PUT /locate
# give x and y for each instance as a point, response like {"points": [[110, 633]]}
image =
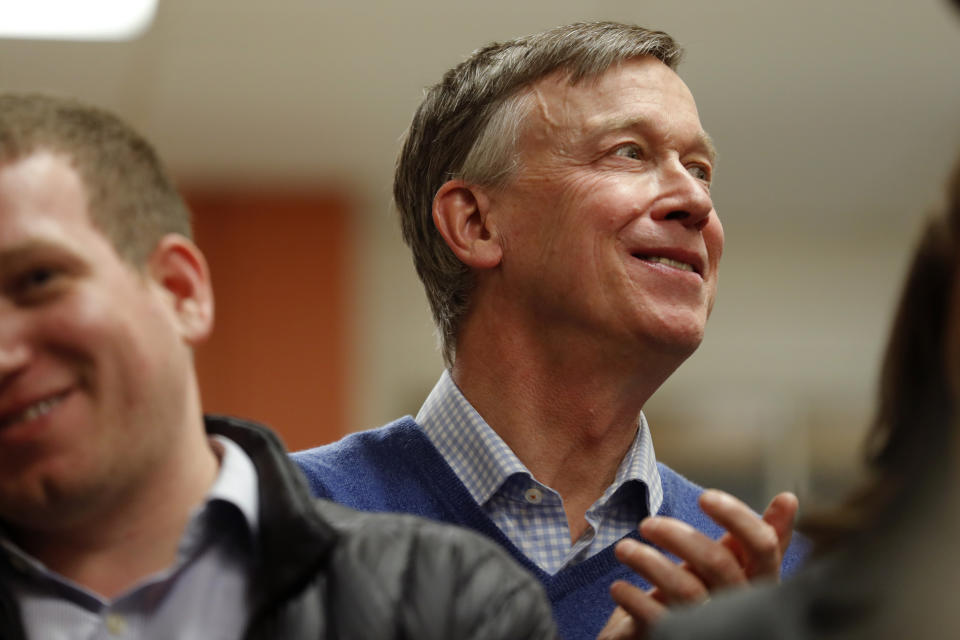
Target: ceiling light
{"points": [[75, 19]]}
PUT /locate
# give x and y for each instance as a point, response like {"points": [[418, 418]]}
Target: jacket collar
{"points": [[294, 540]]}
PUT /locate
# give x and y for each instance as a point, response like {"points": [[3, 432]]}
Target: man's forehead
{"points": [[548, 100], [43, 165], [42, 200], [645, 71], [618, 99]]}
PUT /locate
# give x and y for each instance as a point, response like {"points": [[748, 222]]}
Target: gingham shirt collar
{"points": [[484, 462]]}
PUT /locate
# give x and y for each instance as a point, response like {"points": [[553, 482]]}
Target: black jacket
{"points": [[327, 572]]}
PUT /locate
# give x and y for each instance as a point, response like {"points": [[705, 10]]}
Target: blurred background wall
{"points": [[836, 121]]}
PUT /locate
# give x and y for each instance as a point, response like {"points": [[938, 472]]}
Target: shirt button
{"points": [[116, 624], [533, 495]]}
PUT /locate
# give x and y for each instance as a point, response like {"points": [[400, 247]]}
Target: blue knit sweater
{"points": [[396, 468]]}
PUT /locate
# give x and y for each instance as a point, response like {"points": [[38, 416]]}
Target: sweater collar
{"points": [[484, 463]]}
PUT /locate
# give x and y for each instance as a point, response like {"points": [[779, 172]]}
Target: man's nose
{"points": [[684, 197], [14, 350]]}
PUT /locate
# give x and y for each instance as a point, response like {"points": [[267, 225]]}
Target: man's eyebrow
{"points": [[24, 252], [705, 141], [702, 140]]}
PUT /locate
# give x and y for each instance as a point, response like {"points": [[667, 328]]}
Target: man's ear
{"points": [[460, 214], [178, 267]]}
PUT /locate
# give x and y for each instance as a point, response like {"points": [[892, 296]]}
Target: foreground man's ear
{"points": [[178, 267], [460, 215]]}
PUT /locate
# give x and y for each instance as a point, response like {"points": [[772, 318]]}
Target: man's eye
{"points": [[37, 277], [629, 150], [699, 172], [35, 280]]}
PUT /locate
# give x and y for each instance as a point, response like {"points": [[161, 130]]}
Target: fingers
{"points": [[752, 547], [708, 562], [642, 607], [755, 542], [620, 626], [780, 514], [636, 614], [759, 543]]}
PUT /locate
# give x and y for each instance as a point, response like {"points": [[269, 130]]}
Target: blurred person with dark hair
{"points": [[124, 511], [886, 558], [555, 193]]}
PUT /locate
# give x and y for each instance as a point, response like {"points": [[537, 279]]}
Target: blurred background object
{"points": [[836, 123]]}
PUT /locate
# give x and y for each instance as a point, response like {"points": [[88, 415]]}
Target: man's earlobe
{"points": [[181, 271], [460, 215]]}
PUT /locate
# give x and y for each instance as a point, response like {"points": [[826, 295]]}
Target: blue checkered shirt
{"points": [[528, 512]]}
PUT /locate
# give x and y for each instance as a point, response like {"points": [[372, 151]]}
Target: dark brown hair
{"points": [[129, 196], [909, 443]]}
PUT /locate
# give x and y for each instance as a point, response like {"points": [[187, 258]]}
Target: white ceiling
{"points": [[824, 111]]}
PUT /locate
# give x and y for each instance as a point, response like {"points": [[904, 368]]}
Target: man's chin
{"points": [[47, 493], [678, 336], [680, 349]]}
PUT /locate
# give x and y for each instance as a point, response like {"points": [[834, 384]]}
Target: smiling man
{"points": [[555, 192], [123, 510]]}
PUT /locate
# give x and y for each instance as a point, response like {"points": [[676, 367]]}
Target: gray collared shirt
{"points": [[204, 595]]}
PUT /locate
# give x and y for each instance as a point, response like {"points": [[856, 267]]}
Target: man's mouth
{"points": [[32, 412], [676, 264]]}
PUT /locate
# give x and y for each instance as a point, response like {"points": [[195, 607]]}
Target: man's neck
{"points": [[570, 415], [109, 549]]}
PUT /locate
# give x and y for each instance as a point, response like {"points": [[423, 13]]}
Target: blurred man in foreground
{"points": [[123, 511]]}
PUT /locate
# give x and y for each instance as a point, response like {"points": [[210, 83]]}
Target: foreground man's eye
{"points": [[34, 282]]}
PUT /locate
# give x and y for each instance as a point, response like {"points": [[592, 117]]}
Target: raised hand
{"points": [[751, 549]]}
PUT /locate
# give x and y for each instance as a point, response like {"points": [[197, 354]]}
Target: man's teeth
{"points": [[676, 264], [33, 412]]}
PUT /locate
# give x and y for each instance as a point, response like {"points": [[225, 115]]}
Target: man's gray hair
{"points": [[467, 128]]}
